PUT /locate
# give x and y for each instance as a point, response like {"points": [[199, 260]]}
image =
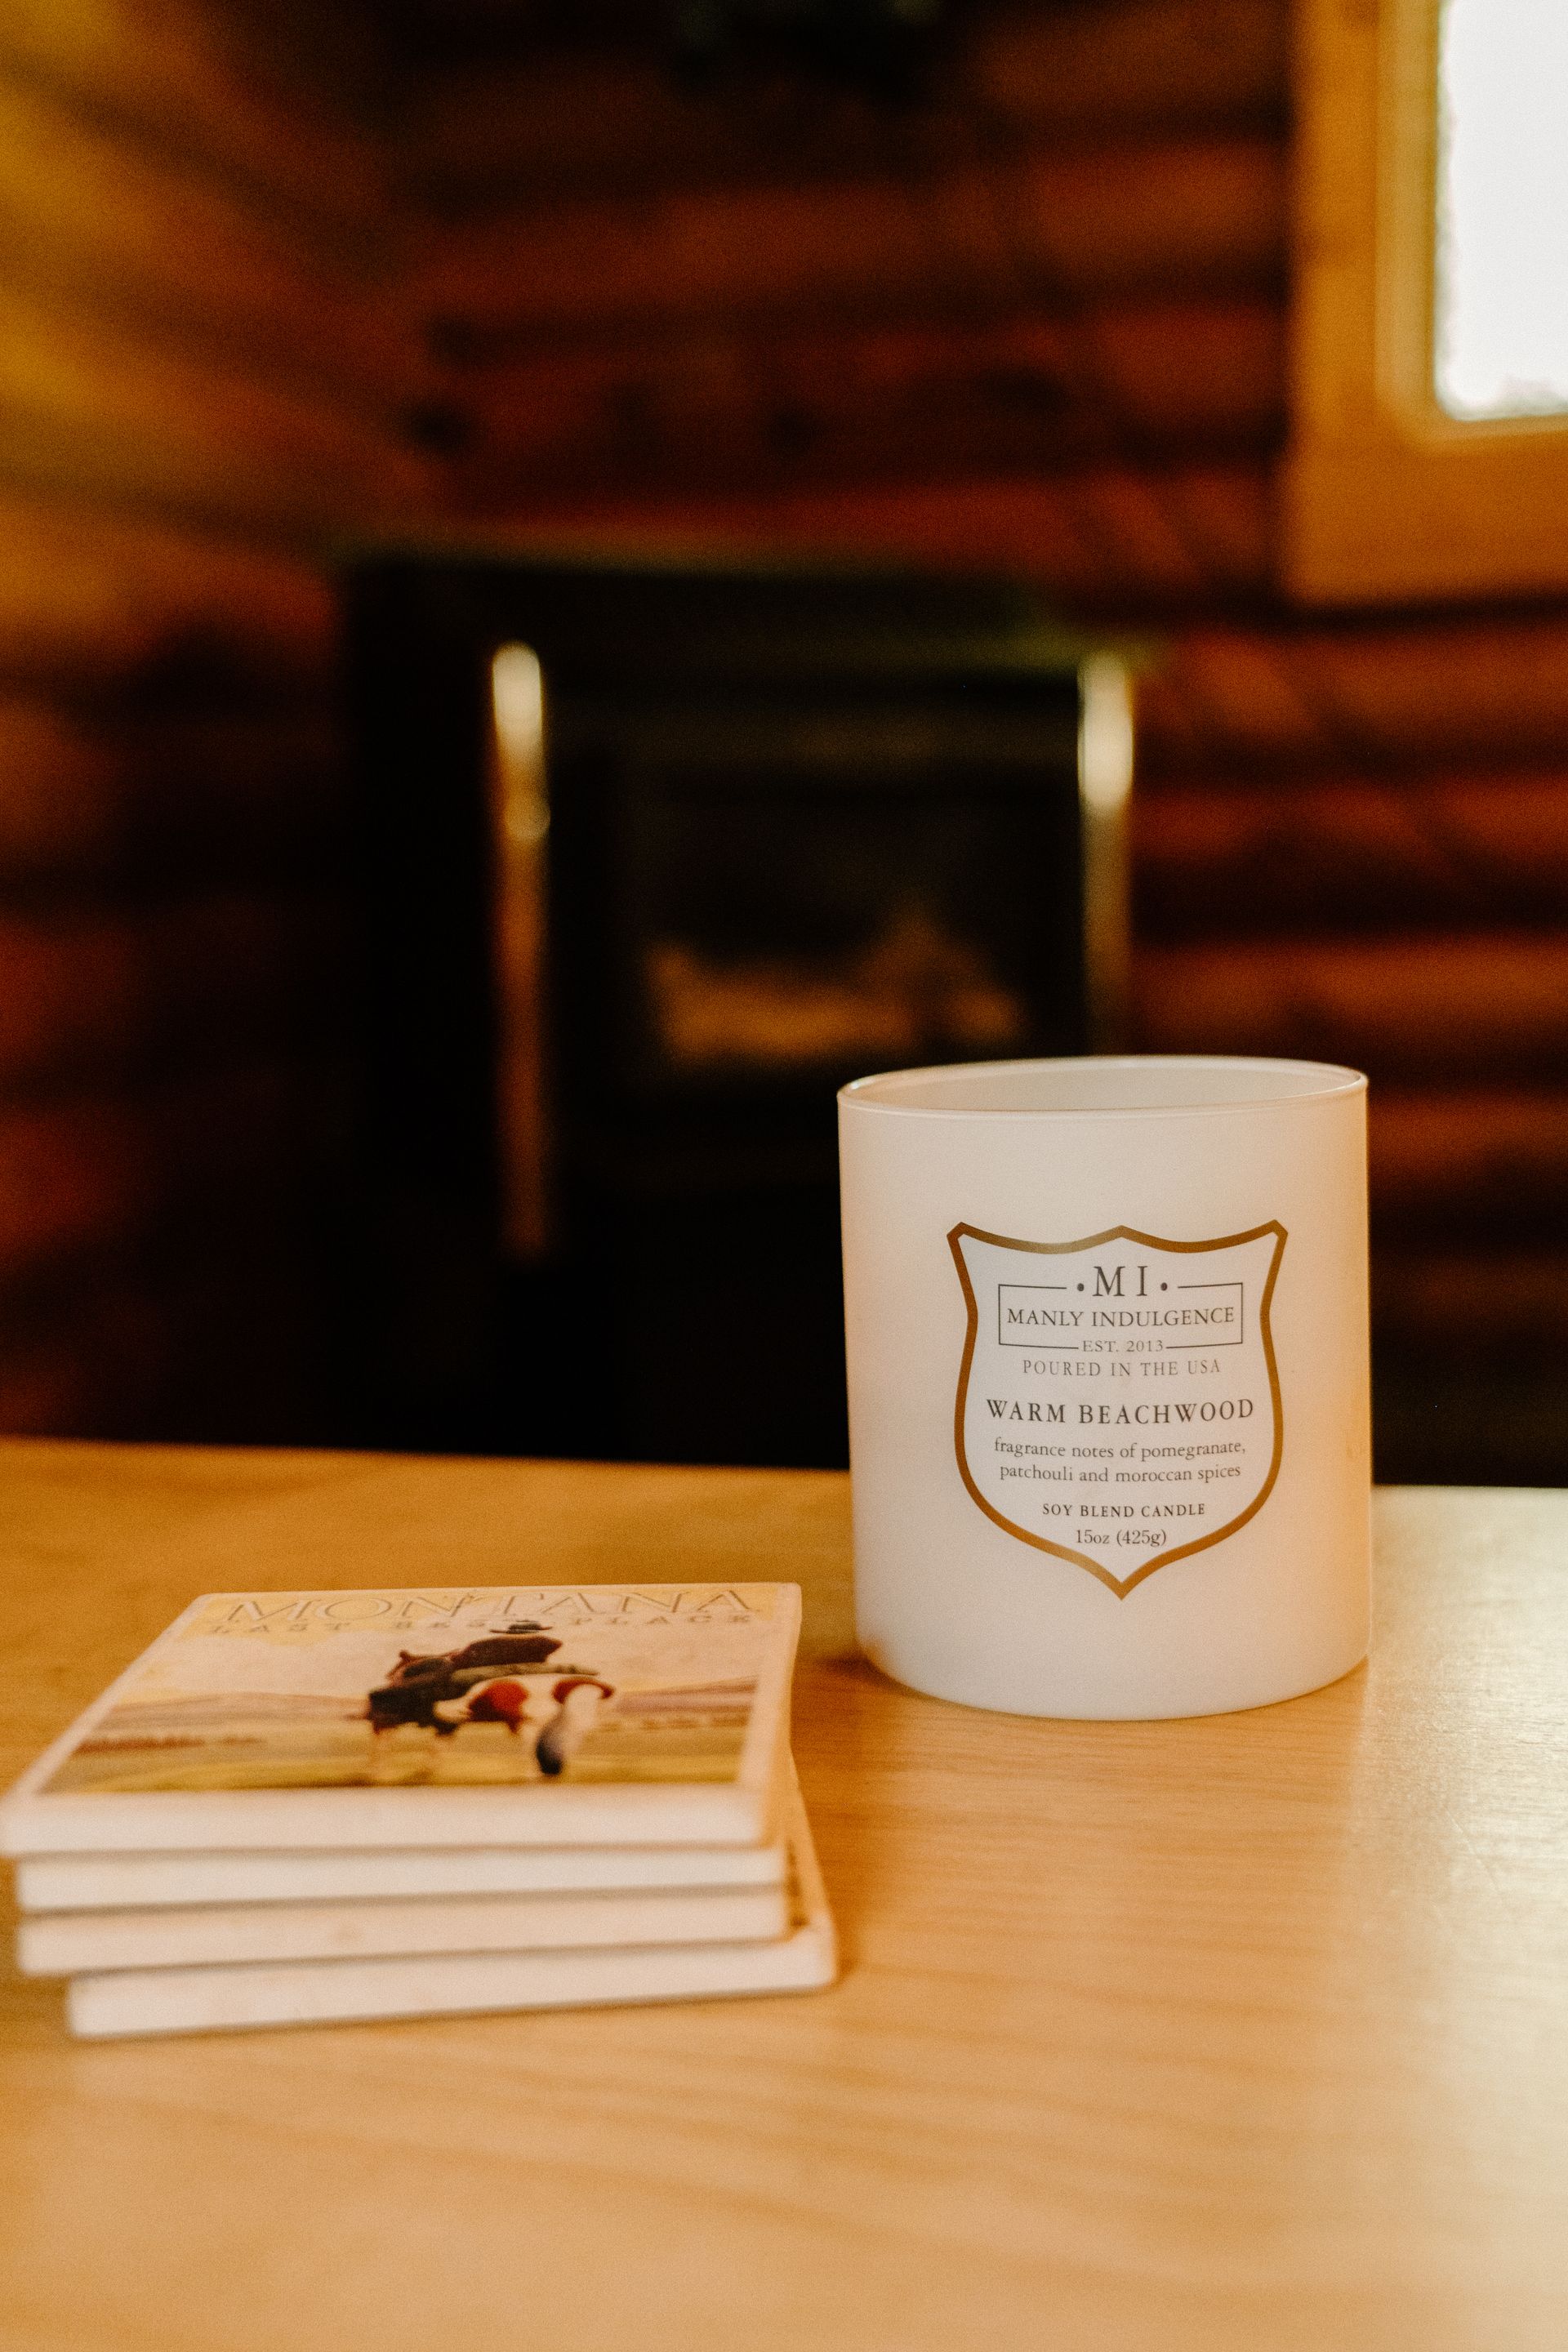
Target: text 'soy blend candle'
{"points": [[1107, 1334]]}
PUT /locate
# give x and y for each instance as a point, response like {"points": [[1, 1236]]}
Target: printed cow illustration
{"points": [[503, 1701], [578, 1699], [442, 1692], [419, 1685]]}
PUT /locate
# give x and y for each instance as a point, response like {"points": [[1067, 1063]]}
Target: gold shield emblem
{"points": [[1119, 1397]]}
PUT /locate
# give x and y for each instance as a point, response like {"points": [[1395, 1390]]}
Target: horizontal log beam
{"points": [[94, 1366], [196, 83], [1487, 1156], [86, 413], [1372, 852], [92, 224], [147, 1350], [1146, 219], [1098, 65], [106, 996], [1152, 539], [1509, 1303], [1463, 1009], [122, 800], [1488, 688], [88, 1175], [473, 137], [937, 398], [1499, 1419], [97, 604]]}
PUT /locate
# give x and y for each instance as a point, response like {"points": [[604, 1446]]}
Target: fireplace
{"points": [[653, 858]]}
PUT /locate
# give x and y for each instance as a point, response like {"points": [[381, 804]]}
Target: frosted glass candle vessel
{"points": [[1106, 1333]]}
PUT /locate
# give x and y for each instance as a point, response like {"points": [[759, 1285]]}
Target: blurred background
{"points": [[999, 293]]}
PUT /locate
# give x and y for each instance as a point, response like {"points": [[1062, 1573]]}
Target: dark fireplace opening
{"points": [[654, 861]]}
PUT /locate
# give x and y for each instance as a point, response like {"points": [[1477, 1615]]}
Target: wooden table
{"points": [[1248, 2032]]}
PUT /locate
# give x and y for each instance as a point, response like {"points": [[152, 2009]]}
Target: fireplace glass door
{"points": [[656, 861]]}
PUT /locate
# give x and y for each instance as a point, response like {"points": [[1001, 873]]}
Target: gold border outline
{"points": [[1120, 1585]]}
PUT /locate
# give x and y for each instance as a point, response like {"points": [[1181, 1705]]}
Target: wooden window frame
{"points": [[1385, 497]]}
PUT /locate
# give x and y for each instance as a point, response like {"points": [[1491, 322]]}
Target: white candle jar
{"points": [[1107, 1336]]}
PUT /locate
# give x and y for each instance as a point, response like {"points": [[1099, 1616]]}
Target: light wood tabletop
{"points": [[1244, 2032]]}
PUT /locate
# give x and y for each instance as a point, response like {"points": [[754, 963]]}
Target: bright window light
{"points": [[1501, 310]]}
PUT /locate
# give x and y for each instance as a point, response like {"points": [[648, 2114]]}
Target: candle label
{"points": [[1118, 1398]]}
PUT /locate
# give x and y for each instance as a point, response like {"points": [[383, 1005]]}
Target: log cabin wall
{"points": [[199, 381], [1036, 320]]}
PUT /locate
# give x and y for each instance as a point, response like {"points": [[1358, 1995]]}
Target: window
{"points": [[1430, 455], [1500, 287]]}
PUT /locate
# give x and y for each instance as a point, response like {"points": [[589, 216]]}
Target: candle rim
{"points": [[1331, 1082]]}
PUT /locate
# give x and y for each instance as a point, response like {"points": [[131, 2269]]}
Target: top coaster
{"points": [[556, 1715]]}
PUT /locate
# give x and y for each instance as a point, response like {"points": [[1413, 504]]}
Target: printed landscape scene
{"points": [[291, 1705]]}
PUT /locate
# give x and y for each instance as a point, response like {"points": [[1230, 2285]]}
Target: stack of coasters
{"points": [[304, 1806]]}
